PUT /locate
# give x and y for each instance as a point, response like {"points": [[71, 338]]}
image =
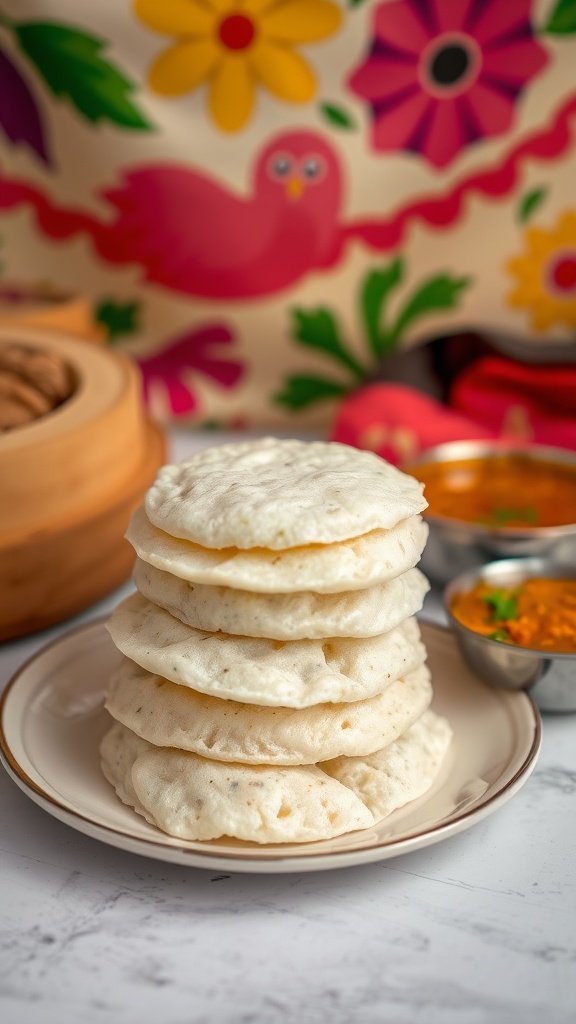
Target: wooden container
{"points": [[68, 484], [46, 308]]}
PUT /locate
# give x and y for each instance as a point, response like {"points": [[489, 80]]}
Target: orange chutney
{"points": [[503, 491], [538, 613]]}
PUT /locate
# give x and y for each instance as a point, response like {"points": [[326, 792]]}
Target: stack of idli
{"points": [[273, 685]]}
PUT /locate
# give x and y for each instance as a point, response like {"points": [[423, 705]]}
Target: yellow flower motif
{"points": [[546, 275], [234, 46]]}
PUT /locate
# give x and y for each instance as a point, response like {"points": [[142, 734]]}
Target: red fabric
{"points": [[537, 403], [398, 422], [493, 398]]}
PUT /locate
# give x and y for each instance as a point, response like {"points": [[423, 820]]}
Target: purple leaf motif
{"points": [[19, 115]]}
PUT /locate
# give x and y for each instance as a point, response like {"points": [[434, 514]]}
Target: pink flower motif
{"points": [[167, 376], [442, 74]]}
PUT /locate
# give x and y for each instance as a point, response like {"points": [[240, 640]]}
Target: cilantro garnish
{"points": [[499, 634], [504, 606], [503, 516]]}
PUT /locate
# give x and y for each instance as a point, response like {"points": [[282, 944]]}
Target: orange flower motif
{"points": [[546, 275], [234, 46]]}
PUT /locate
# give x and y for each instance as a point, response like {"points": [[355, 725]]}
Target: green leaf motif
{"points": [[117, 318], [302, 390], [562, 21], [376, 289], [355, 3], [71, 65], [435, 295], [337, 116], [529, 203], [318, 329]]}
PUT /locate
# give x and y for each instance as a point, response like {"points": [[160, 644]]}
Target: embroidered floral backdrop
{"points": [[265, 197]]}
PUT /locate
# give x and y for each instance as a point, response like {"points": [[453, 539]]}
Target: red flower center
{"points": [[236, 32], [563, 273]]}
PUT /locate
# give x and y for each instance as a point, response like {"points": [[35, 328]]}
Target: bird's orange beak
{"points": [[294, 188]]}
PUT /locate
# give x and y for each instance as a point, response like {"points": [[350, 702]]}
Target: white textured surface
{"points": [[305, 616], [478, 928], [176, 716], [280, 494], [324, 568], [254, 670]]}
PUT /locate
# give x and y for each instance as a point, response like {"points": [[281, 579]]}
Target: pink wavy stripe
{"points": [[439, 211], [56, 221]]}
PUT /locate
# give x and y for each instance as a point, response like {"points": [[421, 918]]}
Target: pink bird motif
{"points": [[194, 235], [298, 221]]}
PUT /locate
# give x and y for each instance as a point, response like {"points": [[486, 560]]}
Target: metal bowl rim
{"points": [[454, 451]]}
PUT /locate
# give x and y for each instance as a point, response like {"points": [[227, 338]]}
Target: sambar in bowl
{"points": [[490, 500], [515, 623]]}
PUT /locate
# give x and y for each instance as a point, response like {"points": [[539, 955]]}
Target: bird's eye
{"points": [[313, 168], [279, 166]]}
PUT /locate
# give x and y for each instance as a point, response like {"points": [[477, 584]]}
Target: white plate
{"points": [[52, 720]]}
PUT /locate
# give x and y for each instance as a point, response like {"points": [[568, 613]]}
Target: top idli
{"points": [[279, 494]]}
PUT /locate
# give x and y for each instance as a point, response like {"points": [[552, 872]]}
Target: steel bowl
{"points": [[455, 546], [550, 678]]}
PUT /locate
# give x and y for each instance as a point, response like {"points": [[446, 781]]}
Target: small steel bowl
{"points": [[550, 678], [455, 546]]}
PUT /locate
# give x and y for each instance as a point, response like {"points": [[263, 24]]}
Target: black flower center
{"points": [[449, 64]]}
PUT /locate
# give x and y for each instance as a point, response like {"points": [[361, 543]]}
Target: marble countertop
{"points": [[481, 927]]}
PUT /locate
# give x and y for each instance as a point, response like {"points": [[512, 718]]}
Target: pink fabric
{"points": [[399, 422], [494, 398]]}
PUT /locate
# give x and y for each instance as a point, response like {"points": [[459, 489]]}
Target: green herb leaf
{"points": [[210, 425], [529, 204], [337, 116], [562, 21], [499, 634], [301, 391], [503, 516], [438, 293], [71, 65], [504, 606], [117, 318], [355, 3], [376, 289], [318, 329]]}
